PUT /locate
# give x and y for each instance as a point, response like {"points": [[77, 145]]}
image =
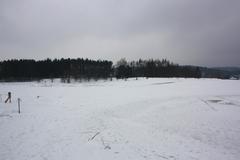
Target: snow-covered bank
{"points": [[180, 119]]}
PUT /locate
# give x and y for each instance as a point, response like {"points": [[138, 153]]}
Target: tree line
{"points": [[57, 68], [86, 68], [154, 68]]}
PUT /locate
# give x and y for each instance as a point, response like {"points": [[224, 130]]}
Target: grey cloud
{"points": [[185, 31]]}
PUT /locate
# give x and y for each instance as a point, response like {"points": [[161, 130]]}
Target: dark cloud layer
{"points": [[205, 32]]}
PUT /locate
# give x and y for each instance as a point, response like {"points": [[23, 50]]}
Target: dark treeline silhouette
{"points": [[85, 68], [57, 68], [154, 68]]}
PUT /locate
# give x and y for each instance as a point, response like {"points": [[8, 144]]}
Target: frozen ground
{"points": [[153, 119]]}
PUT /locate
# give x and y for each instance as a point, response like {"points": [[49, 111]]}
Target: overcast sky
{"points": [[196, 32]]}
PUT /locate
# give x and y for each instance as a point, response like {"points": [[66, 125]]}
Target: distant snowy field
{"points": [[144, 119]]}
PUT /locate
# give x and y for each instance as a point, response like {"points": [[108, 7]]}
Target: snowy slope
{"points": [[165, 119]]}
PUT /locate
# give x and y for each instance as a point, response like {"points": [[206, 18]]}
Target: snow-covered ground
{"points": [[165, 119]]}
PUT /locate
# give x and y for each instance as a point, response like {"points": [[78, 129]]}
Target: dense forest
{"points": [[87, 69], [57, 68], [154, 68]]}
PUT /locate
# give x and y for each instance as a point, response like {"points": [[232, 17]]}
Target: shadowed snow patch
{"points": [[162, 83]]}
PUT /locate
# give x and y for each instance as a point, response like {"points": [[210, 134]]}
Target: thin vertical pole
{"points": [[19, 108]]}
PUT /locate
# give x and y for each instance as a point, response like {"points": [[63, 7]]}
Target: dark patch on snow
{"points": [[162, 83], [5, 115], [215, 100]]}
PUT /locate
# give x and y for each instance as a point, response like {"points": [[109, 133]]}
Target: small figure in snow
{"points": [[8, 98]]}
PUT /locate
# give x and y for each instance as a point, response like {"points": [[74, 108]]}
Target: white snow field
{"points": [[150, 119]]}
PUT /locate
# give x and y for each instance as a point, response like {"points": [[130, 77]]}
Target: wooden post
{"points": [[19, 109]]}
